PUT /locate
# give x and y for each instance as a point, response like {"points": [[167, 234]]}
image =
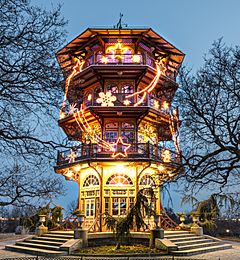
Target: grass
{"points": [[131, 249]]}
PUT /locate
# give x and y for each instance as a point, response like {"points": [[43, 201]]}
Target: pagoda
{"points": [[117, 112]]}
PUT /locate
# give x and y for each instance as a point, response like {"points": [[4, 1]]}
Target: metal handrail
{"points": [[136, 151]]}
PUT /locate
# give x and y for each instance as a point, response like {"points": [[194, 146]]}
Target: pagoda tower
{"points": [[119, 86]]}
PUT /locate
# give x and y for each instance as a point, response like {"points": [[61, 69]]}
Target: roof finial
{"points": [[120, 24]]}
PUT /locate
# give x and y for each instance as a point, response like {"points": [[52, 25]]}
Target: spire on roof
{"points": [[120, 24]]}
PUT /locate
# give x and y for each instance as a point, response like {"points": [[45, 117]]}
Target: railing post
{"points": [[148, 149]]}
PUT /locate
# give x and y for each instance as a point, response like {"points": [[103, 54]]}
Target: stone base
{"points": [[155, 233], [197, 230], [83, 235], [41, 230]]}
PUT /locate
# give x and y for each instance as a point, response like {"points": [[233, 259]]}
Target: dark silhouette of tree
{"points": [[29, 93], [142, 207], [210, 102]]}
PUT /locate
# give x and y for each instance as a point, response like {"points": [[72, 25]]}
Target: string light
{"points": [[161, 68], [116, 152]]}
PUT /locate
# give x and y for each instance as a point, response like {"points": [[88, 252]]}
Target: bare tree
{"points": [[29, 95], [211, 120]]}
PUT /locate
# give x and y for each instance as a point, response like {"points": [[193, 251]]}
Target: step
{"points": [[179, 235], [62, 232], [175, 232], [58, 236], [35, 251], [35, 245], [198, 241], [180, 239], [36, 241], [201, 250], [193, 246], [56, 239]]}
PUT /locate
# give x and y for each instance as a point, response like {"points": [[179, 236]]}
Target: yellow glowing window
{"points": [[119, 179], [91, 180]]}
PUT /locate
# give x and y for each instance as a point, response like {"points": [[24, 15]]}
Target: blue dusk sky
{"points": [[191, 25]]}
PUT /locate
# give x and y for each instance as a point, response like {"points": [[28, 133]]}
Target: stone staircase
{"points": [[50, 244], [189, 244]]}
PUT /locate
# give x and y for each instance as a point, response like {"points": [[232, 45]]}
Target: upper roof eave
{"points": [[90, 32]]}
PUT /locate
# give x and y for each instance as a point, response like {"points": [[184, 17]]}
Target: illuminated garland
{"points": [[77, 68], [94, 137], [161, 68]]}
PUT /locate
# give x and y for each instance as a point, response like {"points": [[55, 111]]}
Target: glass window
{"points": [[106, 204], [115, 206], [127, 88], [91, 180], [119, 179], [147, 180], [111, 136], [112, 88]]}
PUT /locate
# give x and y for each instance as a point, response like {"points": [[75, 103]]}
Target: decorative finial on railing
{"points": [[120, 24]]}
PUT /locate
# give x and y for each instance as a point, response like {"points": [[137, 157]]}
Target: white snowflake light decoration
{"points": [[106, 100], [72, 109]]}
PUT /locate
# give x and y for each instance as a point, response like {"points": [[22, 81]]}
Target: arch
{"points": [[147, 180], [119, 179], [91, 180]]}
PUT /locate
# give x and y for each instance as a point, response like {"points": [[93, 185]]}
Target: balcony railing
{"points": [[126, 59], [137, 151]]}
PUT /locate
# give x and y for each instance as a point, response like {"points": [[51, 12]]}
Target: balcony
{"points": [[92, 103], [137, 152], [126, 60]]}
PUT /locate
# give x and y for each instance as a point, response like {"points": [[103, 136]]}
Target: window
{"points": [[90, 208], [147, 180], [107, 205], [119, 206], [127, 88], [119, 179], [91, 180]]}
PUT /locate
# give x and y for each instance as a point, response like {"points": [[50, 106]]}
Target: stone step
{"points": [[198, 241], [58, 236], [35, 251], [202, 245], [36, 245], [166, 233], [36, 241], [61, 232], [201, 250], [56, 239], [179, 235], [186, 239]]}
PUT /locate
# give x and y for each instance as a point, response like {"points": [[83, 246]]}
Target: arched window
{"points": [[119, 179], [91, 180], [147, 180]]}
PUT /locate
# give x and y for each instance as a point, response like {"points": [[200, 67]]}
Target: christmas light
{"points": [[136, 58], [161, 68], [72, 109], [104, 59], [118, 143], [72, 156], [117, 50], [156, 104], [165, 105], [166, 156], [89, 97], [106, 100], [126, 102]]}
